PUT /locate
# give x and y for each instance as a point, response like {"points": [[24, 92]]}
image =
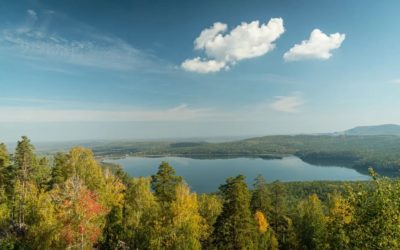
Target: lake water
{"points": [[206, 175]]}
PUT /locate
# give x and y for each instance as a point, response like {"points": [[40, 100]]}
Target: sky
{"points": [[96, 69]]}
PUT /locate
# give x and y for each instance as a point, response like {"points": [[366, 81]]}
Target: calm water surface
{"points": [[206, 175]]}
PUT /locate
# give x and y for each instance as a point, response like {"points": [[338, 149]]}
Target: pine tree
{"points": [[59, 171], [278, 211], [24, 168], [7, 171], [164, 183], [235, 227], [261, 196], [4, 163], [312, 224]]}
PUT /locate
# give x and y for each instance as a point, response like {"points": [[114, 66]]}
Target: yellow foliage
{"points": [[187, 222], [82, 163], [274, 245], [261, 222], [340, 210]]}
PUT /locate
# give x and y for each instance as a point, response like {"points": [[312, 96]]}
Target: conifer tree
{"points": [[164, 183], [261, 196], [235, 227], [4, 163], [312, 224]]}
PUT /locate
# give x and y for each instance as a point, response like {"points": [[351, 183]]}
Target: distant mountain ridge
{"points": [[385, 129]]}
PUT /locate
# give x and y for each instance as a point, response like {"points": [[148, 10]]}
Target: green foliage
{"points": [[235, 227], [278, 206], [186, 227], [376, 217], [261, 196], [141, 211], [74, 202], [4, 163], [25, 160], [59, 172], [340, 216], [7, 171], [210, 207], [164, 183], [312, 224], [81, 163]]}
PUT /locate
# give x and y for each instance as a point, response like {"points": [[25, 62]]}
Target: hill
{"points": [[385, 129]]}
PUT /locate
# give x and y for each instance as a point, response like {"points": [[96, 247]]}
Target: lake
{"points": [[206, 175]]}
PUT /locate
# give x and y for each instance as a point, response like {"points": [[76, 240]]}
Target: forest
{"points": [[72, 201]]}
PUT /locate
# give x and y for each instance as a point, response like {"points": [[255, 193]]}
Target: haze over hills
{"points": [[385, 129], [51, 147]]}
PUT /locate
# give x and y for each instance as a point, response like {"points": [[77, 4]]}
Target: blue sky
{"points": [[72, 70]]}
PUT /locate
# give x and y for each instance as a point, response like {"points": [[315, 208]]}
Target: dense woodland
{"points": [[71, 201]]}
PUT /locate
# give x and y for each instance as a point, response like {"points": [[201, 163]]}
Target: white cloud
{"points": [[247, 40], [202, 66], [288, 104], [209, 34], [318, 46]]}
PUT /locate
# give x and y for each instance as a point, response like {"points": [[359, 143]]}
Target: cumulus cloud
{"points": [[209, 34], [245, 41], [318, 46], [288, 104], [203, 66]]}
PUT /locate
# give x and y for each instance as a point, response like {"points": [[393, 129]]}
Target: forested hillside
{"points": [[72, 202]]}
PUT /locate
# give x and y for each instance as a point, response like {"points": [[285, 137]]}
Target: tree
{"points": [[261, 196], [187, 227], [4, 163], [25, 160], [210, 207], [42, 173], [278, 211], [24, 169], [59, 171], [5, 219], [287, 234], [112, 197], [375, 220], [312, 224], [7, 171], [41, 219], [281, 222], [80, 214], [82, 164], [339, 218], [164, 183], [141, 211], [235, 227]]}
